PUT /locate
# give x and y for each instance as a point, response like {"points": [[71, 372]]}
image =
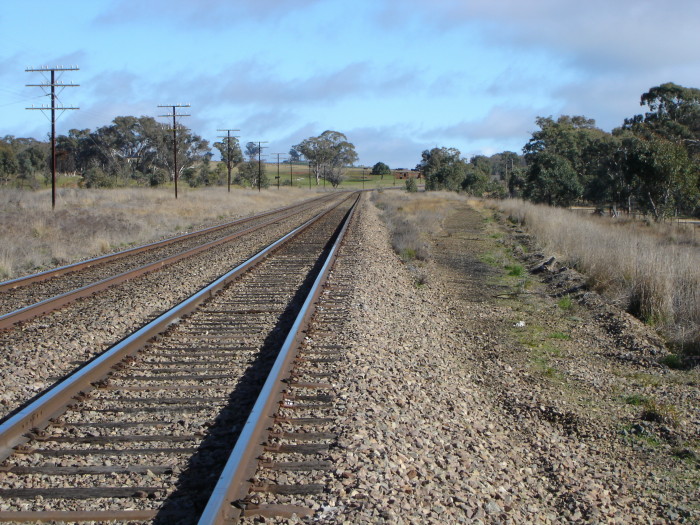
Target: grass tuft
{"points": [[565, 303]]}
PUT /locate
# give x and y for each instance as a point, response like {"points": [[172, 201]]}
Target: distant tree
{"points": [[234, 147], [380, 169], [329, 154], [8, 163], [294, 155], [551, 179], [443, 169], [411, 185], [248, 173], [665, 178], [32, 163], [130, 148]]}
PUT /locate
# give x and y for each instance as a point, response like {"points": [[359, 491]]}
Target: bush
{"points": [[411, 186], [96, 178]]}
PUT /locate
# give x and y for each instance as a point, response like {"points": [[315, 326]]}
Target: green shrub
{"points": [[515, 270], [411, 186], [565, 303]]}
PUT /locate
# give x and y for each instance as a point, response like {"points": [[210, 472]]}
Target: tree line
{"points": [[651, 163], [139, 151]]}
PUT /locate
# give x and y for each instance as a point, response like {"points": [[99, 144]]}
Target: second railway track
{"points": [[149, 442], [38, 352], [20, 299]]}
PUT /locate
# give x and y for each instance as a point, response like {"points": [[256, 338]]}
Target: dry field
{"points": [[651, 270], [88, 223]]}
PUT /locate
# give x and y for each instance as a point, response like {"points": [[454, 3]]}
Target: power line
{"points": [[174, 115], [52, 84]]}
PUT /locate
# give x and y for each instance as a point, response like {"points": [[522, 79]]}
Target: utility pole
{"points": [[309, 174], [53, 84], [278, 168], [260, 148], [228, 138], [291, 173], [175, 114]]}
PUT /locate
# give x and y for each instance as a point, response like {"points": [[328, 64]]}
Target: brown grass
{"points": [[412, 218], [652, 270], [88, 223]]}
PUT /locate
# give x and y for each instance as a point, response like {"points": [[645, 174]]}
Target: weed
{"points": [[685, 454], [636, 400], [559, 335], [408, 254], [515, 270], [659, 413], [565, 303], [672, 361], [421, 280]]}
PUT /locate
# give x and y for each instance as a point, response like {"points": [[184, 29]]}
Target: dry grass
{"points": [[88, 223], [412, 218], [653, 270]]}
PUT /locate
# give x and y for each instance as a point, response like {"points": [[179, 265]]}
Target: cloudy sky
{"points": [[396, 76]]}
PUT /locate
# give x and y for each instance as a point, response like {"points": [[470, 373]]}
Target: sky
{"points": [[395, 76]]}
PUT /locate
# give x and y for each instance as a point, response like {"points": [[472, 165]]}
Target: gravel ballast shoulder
{"points": [[446, 423]]}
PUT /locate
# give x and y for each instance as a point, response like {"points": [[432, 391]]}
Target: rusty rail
{"points": [[53, 402], [233, 484]]}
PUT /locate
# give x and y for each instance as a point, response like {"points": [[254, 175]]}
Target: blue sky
{"points": [[396, 76]]}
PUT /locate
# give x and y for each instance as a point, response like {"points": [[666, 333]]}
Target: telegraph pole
{"points": [[278, 168], [53, 84], [260, 148], [175, 114], [228, 138]]}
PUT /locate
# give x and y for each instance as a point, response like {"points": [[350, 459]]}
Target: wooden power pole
{"points": [[50, 86], [174, 115]]}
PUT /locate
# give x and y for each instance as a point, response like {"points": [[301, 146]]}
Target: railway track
{"points": [[143, 432], [30, 296]]}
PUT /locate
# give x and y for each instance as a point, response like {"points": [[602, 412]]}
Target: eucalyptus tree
{"points": [[329, 154]]}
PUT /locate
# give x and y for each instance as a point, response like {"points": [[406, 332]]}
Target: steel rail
{"points": [[53, 303], [37, 414], [80, 265], [234, 481]]}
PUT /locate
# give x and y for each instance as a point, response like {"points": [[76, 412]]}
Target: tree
{"points": [[664, 176], [31, 162], [249, 171], [478, 175], [129, 148], [443, 169], [380, 169], [330, 153], [551, 179], [294, 155], [230, 145], [8, 163]]}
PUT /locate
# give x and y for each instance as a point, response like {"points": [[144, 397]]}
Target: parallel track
{"points": [[27, 297], [148, 442]]}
